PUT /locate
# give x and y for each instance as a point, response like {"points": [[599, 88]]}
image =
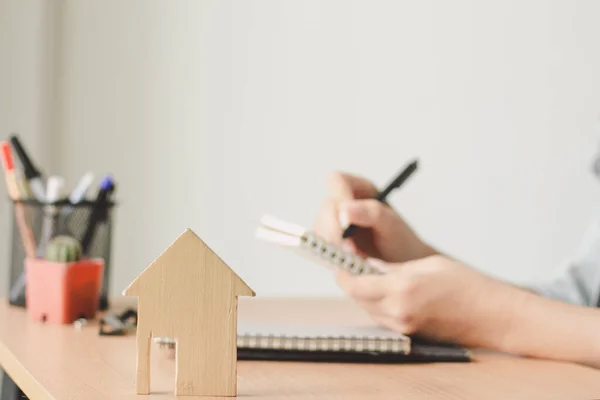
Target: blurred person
{"points": [[433, 295]]}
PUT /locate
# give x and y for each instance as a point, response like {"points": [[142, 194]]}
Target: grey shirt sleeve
{"points": [[579, 284]]}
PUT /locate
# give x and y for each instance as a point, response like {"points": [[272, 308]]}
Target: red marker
{"points": [[13, 192], [9, 171]]}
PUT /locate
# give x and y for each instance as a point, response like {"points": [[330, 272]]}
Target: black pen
{"points": [[381, 196], [33, 175]]}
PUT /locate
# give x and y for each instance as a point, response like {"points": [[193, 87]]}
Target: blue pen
{"points": [[107, 186]]}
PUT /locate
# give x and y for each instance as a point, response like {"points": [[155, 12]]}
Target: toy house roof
{"points": [[182, 244]]}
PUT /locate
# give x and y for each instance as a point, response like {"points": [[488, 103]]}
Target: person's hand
{"points": [[437, 298], [383, 234]]}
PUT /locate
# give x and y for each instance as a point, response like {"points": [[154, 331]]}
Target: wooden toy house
{"points": [[190, 295]]}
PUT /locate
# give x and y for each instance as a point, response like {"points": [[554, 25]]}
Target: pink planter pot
{"points": [[63, 292]]}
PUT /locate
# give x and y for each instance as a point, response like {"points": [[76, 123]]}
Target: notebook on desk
{"points": [[328, 343]]}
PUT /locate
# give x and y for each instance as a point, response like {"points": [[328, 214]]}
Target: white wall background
{"points": [[233, 109]]}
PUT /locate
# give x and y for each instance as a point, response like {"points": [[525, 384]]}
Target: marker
{"points": [[381, 196], [32, 174], [107, 186], [9, 171], [23, 185], [13, 190], [54, 190], [76, 196], [27, 236], [81, 189]]}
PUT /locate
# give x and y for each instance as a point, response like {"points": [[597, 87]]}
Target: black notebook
{"points": [[323, 343]]}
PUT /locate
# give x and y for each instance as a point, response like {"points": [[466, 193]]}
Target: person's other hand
{"points": [[383, 234], [437, 298]]}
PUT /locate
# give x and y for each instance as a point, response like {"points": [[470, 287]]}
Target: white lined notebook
{"points": [[311, 246], [317, 338]]}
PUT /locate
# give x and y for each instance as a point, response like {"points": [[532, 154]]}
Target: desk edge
{"points": [[19, 374]]}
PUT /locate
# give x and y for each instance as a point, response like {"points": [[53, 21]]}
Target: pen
{"points": [[107, 186], [32, 174], [381, 196]]}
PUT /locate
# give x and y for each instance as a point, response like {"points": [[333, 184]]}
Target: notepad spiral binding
{"points": [[296, 343], [336, 255], [321, 343]]}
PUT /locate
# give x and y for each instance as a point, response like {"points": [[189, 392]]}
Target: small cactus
{"points": [[63, 249]]}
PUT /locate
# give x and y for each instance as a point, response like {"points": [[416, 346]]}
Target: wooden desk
{"points": [[60, 362]]}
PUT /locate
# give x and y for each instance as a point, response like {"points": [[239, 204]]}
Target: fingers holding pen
{"points": [[343, 186]]}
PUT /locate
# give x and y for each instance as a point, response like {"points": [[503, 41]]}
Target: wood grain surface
{"points": [[61, 362], [190, 295]]}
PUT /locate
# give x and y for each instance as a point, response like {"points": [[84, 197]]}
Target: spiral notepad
{"points": [[327, 343], [310, 245], [319, 338]]}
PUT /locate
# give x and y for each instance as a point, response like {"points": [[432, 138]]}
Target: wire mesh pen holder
{"points": [[34, 223]]}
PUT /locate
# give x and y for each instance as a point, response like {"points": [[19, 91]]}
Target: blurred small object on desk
{"points": [[118, 324]]}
